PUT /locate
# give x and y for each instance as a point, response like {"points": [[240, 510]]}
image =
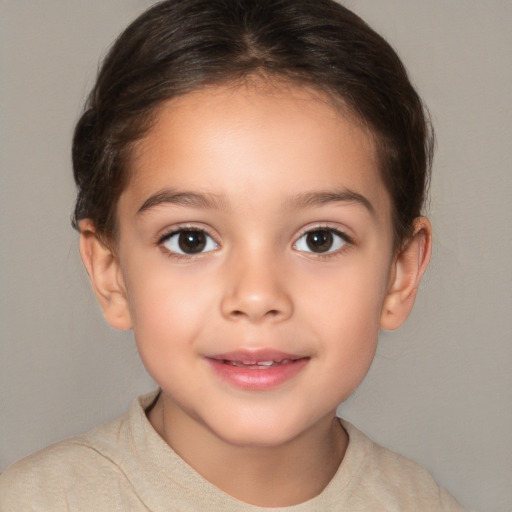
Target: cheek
{"points": [[343, 306], [347, 341], [350, 293], [169, 305], [168, 312]]}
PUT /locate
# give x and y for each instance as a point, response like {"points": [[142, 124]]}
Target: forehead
{"points": [[255, 140]]}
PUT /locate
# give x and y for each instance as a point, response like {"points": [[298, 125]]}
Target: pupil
{"points": [[192, 242], [319, 241]]}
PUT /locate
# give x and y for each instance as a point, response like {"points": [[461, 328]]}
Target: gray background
{"points": [[440, 390]]}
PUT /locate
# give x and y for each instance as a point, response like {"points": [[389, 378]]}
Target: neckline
{"points": [[157, 470]]}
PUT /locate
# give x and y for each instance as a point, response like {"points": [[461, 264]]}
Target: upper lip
{"points": [[255, 356]]}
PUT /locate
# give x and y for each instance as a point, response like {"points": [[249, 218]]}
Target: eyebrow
{"points": [[183, 198], [214, 201], [324, 197]]}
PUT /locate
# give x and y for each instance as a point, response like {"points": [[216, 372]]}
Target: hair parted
{"points": [[178, 46]]}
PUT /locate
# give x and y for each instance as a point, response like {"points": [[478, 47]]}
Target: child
{"points": [[250, 180]]}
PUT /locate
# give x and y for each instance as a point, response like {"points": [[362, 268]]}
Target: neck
{"points": [[301, 467]]}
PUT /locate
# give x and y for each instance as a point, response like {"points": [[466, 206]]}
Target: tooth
{"points": [[265, 363]]}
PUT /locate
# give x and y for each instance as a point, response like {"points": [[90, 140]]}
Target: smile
{"points": [[259, 365], [257, 371]]}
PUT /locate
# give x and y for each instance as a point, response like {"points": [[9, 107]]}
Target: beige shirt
{"points": [[126, 466]]}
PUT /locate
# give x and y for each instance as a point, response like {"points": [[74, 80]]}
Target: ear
{"points": [[409, 266], [106, 277]]}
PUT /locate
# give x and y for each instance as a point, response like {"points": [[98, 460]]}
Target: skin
{"points": [[251, 156]]}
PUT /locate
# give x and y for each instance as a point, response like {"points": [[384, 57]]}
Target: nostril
{"points": [[256, 304], [237, 313]]}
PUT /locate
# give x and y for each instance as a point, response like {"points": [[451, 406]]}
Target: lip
{"points": [[241, 369]]}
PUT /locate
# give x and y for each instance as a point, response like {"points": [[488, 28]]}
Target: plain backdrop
{"points": [[440, 389]]}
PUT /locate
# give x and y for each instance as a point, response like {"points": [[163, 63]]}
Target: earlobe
{"points": [[106, 277], [409, 266]]}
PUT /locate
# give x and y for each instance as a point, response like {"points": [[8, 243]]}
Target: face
{"points": [[255, 252]]}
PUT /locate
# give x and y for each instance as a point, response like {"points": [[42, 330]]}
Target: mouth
{"points": [[258, 365], [260, 370]]}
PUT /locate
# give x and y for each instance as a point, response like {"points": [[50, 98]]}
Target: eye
{"points": [[189, 241], [321, 241]]}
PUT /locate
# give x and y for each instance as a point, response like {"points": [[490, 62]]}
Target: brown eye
{"points": [[321, 241], [189, 241], [192, 242]]}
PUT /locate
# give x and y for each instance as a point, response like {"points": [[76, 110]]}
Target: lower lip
{"points": [[256, 379]]}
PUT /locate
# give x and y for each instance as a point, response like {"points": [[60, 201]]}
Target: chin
{"points": [[258, 431], [252, 439]]}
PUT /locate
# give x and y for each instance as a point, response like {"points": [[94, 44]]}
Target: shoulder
{"points": [[385, 477], [47, 479], [80, 473]]}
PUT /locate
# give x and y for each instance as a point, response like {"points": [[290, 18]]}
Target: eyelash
{"points": [[347, 241], [161, 240]]}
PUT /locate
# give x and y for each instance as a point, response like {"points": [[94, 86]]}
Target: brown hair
{"points": [[181, 45]]}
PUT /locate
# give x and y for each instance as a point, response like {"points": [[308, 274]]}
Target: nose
{"points": [[255, 290]]}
